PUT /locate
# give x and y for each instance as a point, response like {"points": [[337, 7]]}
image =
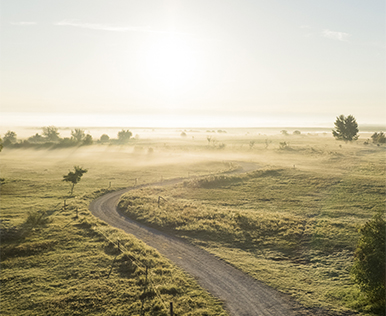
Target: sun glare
{"points": [[170, 65]]}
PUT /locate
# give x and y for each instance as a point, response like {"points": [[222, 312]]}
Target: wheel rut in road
{"points": [[242, 295]]}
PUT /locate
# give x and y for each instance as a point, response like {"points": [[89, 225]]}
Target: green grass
{"points": [[295, 229], [57, 260]]}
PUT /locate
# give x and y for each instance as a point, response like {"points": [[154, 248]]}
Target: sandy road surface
{"points": [[241, 294]]}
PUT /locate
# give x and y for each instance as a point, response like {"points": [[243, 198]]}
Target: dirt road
{"points": [[241, 294]]}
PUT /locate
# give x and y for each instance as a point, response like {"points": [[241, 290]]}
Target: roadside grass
{"points": [[58, 259], [294, 228]]}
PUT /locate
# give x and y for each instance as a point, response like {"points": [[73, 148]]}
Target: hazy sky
{"points": [[236, 63]]}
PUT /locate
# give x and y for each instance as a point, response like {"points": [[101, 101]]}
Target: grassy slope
{"points": [[60, 265], [293, 228]]}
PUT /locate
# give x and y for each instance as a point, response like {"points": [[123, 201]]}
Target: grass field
{"points": [[57, 261], [292, 224]]}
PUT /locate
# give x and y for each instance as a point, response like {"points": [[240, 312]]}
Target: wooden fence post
{"points": [[171, 308]]}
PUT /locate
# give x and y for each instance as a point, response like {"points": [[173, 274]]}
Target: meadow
{"points": [[293, 223]]}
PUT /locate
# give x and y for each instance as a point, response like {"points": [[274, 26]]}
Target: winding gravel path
{"points": [[241, 294]]}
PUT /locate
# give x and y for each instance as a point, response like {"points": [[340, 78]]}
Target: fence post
{"points": [[171, 308]]}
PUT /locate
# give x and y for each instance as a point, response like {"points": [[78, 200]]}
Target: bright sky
{"points": [[193, 63]]}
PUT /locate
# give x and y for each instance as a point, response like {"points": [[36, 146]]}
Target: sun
{"points": [[170, 64]]}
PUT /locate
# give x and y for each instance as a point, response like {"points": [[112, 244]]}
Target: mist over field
{"points": [[196, 158]]}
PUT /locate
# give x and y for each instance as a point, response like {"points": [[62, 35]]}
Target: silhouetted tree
{"points": [[284, 132], [10, 138], [78, 134], [124, 136], [346, 128], [378, 138], [51, 133], [369, 262], [183, 134], [74, 177], [87, 140], [36, 138], [296, 132], [104, 138], [1, 144]]}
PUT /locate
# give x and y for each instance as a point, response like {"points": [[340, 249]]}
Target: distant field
{"points": [[292, 223]]}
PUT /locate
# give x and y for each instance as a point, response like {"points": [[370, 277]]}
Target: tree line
{"points": [[50, 137]]}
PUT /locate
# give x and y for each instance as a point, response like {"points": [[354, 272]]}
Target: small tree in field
{"points": [[78, 134], [87, 140], [51, 133], [104, 138], [346, 128], [369, 263], [74, 177], [124, 136], [378, 138], [10, 137]]}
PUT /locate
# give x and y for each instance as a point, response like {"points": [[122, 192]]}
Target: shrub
{"points": [[369, 263], [378, 138]]}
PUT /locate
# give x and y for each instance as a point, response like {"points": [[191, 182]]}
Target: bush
{"points": [[369, 266], [378, 138], [36, 219]]}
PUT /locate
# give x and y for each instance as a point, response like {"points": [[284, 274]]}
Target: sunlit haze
{"points": [[192, 63]]}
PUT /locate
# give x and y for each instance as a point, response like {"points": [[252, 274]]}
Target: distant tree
{"points": [[209, 139], [369, 266], [36, 138], [10, 137], [378, 138], [346, 128], [51, 133], [296, 133], [78, 134], [1, 144], [124, 136], [183, 134], [104, 138], [87, 140], [74, 177], [251, 144]]}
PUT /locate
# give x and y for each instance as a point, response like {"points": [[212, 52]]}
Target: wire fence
{"points": [[140, 265]]}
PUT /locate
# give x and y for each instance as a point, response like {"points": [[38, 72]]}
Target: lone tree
{"points": [[104, 138], [346, 128], [369, 263], [124, 136], [74, 177], [378, 138]]}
